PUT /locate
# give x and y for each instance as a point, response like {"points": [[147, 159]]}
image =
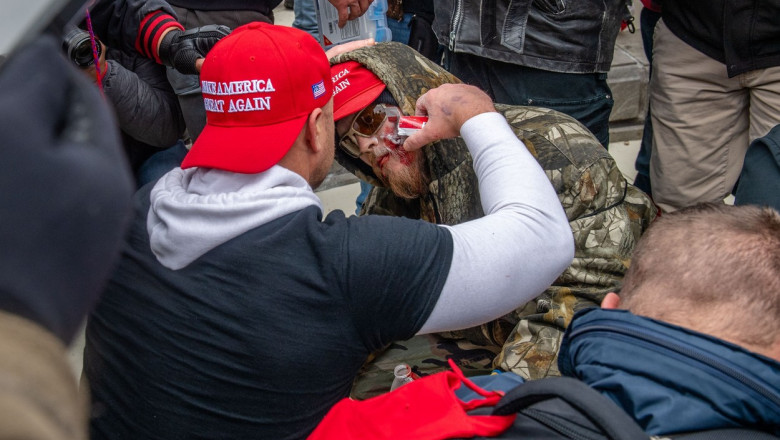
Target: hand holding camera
{"points": [[77, 45]]}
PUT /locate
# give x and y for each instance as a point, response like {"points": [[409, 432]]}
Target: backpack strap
{"points": [[722, 434], [600, 410]]}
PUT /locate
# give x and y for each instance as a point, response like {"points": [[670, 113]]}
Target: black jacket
{"points": [[117, 22], [742, 34], [146, 107]]}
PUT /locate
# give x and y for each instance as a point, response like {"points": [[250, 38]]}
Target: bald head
{"points": [[712, 268]]}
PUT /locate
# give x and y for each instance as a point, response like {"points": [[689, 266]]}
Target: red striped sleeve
{"points": [[150, 31]]}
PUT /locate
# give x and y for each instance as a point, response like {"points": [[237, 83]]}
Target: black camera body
{"points": [[78, 47]]}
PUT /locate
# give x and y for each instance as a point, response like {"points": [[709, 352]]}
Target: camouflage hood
{"points": [[607, 215], [408, 75]]}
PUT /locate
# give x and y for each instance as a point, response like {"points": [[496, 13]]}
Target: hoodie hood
{"points": [[195, 210], [671, 379]]}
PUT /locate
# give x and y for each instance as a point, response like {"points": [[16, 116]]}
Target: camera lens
{"points": [[78, 46]]}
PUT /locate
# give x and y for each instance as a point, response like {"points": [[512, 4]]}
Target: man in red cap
{"points": [[238, 312], [439, 183]]}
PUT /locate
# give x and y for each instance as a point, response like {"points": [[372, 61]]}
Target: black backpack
{"points": [[566, 408]]}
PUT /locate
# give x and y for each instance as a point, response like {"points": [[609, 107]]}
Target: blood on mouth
{"points": [[398, 129]]}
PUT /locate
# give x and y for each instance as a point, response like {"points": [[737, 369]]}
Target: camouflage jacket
{"points": [[607, 214]]}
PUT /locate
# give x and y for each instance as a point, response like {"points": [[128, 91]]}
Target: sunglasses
{"points": [[365, 124]]}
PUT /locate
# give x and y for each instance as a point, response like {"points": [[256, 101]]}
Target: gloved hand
{"points": [[65, 189], [180, 49]]}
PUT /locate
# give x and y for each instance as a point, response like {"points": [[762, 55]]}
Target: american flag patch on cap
{"points": [[318, 89]]}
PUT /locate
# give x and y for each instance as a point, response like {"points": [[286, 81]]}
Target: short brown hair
{"points": [[713, 268]]}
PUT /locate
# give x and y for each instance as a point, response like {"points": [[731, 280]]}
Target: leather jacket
{"points": [[569, 36]]}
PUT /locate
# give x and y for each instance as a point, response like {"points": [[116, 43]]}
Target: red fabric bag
{"points": [[425, 409]]}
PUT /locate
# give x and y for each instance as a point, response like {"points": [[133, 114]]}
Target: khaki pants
{"points": [[703, 121]]}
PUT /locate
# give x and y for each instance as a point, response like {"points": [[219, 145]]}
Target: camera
{"points": [[78, 47]]}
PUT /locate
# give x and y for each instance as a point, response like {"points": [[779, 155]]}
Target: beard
{"points": [[408, 181]]}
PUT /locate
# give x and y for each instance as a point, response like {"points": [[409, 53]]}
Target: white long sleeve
{"points": [[521, 245]]}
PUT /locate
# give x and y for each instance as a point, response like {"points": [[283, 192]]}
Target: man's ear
{"points": [[314, 130], [774, 351], [610, 301]]}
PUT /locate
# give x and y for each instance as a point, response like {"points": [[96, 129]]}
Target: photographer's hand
{"points": [[65, 189], [92, 72], [185, 50]]}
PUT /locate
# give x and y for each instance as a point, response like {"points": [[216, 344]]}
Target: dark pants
{"points": [[647, 22], [759, 183], [586, 97]]}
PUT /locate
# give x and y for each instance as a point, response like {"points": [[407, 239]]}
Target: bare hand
{"points": [[346, 47], [350, 9], [448, 107]]}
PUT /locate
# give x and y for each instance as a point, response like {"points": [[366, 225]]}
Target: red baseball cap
{"points": [[259, 85], [354, 87]]}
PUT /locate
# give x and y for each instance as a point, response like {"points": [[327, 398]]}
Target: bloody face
{"points": [[370, 136]]}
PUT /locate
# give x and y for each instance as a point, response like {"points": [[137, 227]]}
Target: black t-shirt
{"points": [[259, 337]]}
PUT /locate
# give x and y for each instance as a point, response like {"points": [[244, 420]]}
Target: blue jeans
{"points": [[400, 29], [647, 22], [760, 177], [306, 17], [365, 188]]}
